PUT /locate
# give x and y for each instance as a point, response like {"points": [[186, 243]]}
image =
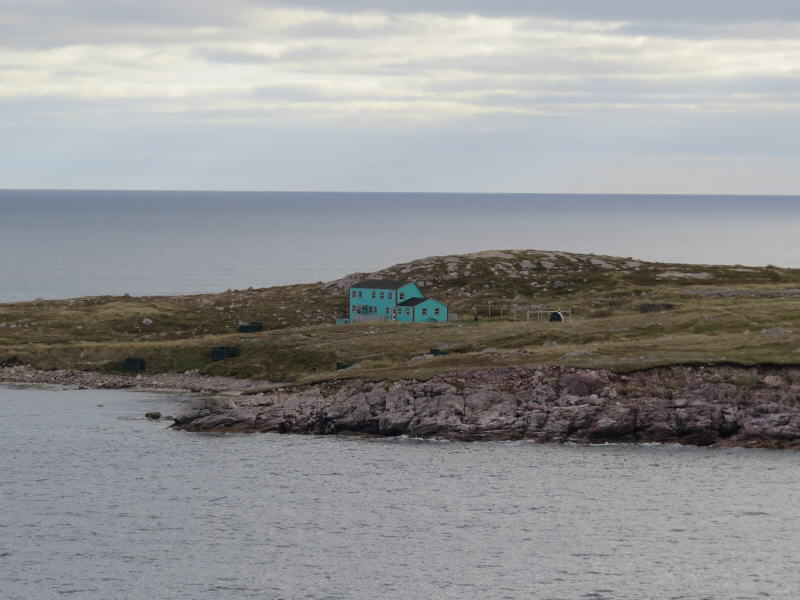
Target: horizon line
{"points": [[454, 193]]}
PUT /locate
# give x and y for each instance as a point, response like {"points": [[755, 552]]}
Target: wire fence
{"points": [[485, 312], [515, 312]]}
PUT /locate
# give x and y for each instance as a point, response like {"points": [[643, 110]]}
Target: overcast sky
{"points": [[524, 96]]}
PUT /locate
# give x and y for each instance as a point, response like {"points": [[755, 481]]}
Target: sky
{"points": [[618, 96]]}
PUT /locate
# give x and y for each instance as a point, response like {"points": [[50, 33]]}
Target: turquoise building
{"points": [[384, 300]]}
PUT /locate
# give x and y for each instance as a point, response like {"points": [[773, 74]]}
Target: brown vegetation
{"points": [[721, 314]]}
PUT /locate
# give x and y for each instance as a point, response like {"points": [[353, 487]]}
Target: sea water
{"points": [[98, 503], [57, 244]]}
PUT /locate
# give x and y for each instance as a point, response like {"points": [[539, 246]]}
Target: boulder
{"points": [[776, 331], [582, 384]]}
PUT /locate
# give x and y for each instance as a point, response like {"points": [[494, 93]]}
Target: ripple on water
{"points": [[98, 503]]}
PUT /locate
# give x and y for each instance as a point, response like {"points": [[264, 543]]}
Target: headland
{"points": [[701, 354]]}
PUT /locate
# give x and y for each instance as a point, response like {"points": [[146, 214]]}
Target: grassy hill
{"points": [[736, 314]]}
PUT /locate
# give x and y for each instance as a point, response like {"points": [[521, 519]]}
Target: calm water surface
{"points": [[65, 244], [97, 503]]}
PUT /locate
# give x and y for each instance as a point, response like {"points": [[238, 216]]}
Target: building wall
{"points": [[425, 312], [405, 314], [408, 291], [382, 300], [364, 296]]}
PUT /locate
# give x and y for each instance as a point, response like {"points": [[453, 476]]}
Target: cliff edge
{"points": [[698, 405]]}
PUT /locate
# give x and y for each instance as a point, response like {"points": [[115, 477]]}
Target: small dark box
{"points": [[251, 327], [655, 307], [133, 365], [223, 352]]}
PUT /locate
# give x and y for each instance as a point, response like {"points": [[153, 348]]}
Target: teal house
{"points": [[384, 300]]}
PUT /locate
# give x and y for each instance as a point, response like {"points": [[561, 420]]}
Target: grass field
{"points": [[720, 315]]}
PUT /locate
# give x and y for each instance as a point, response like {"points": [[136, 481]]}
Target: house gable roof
{"points": [[413, 301], [380, 284]]}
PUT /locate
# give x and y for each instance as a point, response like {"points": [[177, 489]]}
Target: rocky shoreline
{"points": [[191, 382], [755, 407]]}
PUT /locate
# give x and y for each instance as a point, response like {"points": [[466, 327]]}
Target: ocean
{"points": [[98, 503], [60, 244]]}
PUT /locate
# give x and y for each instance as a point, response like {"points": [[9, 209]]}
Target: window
{"points": [[359, 293], [424, 312], [373, 295], [382, 296], [387, 310], [390, 295], [354, 310], [354, 294], [407, 311], [436, 312], [402, 296]]}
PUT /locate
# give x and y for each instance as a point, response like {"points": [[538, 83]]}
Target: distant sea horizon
{"points": [[68, 243], [404, 192]]}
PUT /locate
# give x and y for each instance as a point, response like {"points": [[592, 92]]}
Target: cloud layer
{"points": [[584, 81]]}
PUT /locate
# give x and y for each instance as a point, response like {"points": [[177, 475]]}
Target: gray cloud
{"points": [[223, 55], [53, 22], [288, 93], [528, 96], [676, 11], [711, 30]]}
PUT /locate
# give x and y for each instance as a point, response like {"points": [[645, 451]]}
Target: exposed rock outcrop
{"points": [[189, 381], [721, 405]]}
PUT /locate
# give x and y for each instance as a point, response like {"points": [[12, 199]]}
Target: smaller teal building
{"points": [[388, 300]]}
